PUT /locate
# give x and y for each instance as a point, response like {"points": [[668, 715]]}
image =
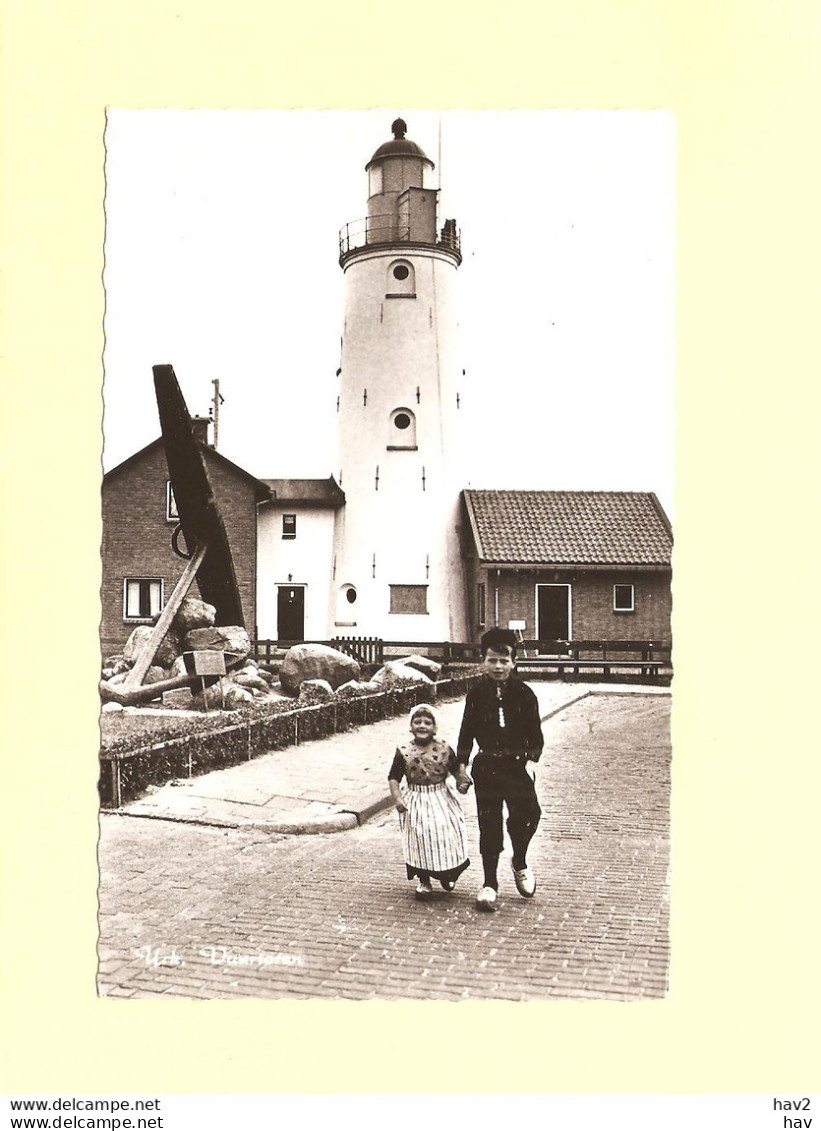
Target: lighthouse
{"points": [[397, 569]]}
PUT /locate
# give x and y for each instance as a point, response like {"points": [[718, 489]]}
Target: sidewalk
{"points": [[325, 786]]}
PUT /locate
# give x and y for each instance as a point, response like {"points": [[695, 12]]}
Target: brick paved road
{"points": [[332, 916]]}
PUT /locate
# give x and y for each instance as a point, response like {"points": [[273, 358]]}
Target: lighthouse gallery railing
{"points": [[374, 230]]}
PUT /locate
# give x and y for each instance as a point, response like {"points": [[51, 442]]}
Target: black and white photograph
{"points": [[387, 515]]}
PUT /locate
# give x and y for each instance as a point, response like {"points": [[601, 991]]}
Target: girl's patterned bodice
{"points": [[427, 765]]}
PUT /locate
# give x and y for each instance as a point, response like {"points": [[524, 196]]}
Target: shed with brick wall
{"points": [[568, 565]]}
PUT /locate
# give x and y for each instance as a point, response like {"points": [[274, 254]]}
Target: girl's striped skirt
{"points": [[434, 835]]}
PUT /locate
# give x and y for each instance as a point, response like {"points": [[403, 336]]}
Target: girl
{"points": [[434, 836]]}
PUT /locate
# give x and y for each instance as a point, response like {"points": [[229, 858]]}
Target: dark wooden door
{"points": [[290, 612], [554, 612]]}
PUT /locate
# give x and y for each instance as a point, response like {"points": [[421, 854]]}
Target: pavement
{"points": [[212, 904], [330, 785]]}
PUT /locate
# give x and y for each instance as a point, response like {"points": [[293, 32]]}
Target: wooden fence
{"points": [[648, 657]]}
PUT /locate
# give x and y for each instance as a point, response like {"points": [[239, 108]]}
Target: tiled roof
{"points": [[569, 527], [308, 492]]}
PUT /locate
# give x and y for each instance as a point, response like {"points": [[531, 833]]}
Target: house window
{"points": [[289, 526], [171, 512], [411, 599], [480, 604], [142, 598], [624, 599]]}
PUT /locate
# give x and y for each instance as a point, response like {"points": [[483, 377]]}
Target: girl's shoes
{"points": [[423, 889], [448, 885]]}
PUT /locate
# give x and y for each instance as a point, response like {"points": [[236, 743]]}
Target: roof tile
{"points": [[571, 527]]}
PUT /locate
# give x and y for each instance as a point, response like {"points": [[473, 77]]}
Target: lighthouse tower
{"points": [[397, 565]]}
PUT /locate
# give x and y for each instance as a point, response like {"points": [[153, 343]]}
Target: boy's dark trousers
{"points": [[501, 779]]}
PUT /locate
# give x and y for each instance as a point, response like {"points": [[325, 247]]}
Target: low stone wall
{"points": [[125, 776]]}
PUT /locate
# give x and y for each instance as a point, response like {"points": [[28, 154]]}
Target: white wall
{"points": [[308, 558]]}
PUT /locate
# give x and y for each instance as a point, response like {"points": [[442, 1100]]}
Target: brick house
{"points": [[568, 565], [139, 567]]}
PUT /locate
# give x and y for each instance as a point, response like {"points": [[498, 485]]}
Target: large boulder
{"points": [[165, 655], [396, 674], [423, 664], [222, 638], [192, 614], [316, 661]]}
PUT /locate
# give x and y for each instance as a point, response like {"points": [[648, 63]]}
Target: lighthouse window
{"points": [[401, 281], [409, 599], [350, 595], [402, 430], [289, 526]]}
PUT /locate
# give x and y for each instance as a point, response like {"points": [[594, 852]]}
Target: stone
{"points": [[154, 675], [350, 689], [193, 613], [236, 697], [396, 674], [423, 664], [315, 691], [316, 661], [251, 680], [178, 668], [178, 697], [111, 708], [220, 696], [222, 638], [165, 655]]}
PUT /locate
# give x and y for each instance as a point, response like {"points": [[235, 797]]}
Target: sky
{"points": [[221, 259]]}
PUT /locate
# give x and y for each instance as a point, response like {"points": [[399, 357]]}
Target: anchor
{"points": [[207, 554]]}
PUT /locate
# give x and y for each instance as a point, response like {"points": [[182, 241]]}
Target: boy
{"points": [[502, 715]]}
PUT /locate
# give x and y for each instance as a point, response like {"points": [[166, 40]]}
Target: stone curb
{"points": [[341, 821]]}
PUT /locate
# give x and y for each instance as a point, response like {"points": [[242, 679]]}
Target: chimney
{"points": [[200, 427]]}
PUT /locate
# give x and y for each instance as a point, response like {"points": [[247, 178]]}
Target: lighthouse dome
{"points": [[400, 146]]}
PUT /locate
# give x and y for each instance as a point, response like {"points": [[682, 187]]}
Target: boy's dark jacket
{"points": [[522, 733]]}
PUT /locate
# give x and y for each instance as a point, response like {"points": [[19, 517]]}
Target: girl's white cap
{"points": [[428, 710]]}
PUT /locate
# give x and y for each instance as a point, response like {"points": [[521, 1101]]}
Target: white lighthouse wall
{"points": [[307, 558], [399, 524]]}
